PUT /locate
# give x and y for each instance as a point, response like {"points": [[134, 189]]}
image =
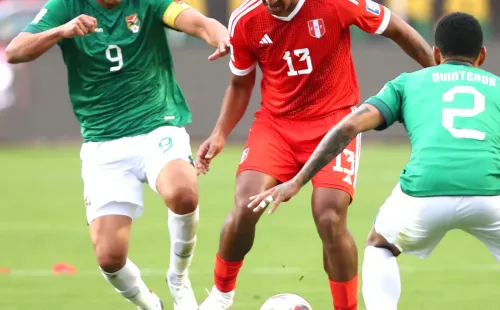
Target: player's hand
{"points": [[79, 26], [207, 151], [222, 50], [275, 195]]}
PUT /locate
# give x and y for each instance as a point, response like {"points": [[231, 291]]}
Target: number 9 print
{"points": [[165, 144]]}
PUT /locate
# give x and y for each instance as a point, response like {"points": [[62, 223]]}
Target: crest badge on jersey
{"points": [[133, 23], [316, 28]]}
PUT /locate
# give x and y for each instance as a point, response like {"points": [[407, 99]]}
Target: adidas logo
{"points": [[266, 40]]}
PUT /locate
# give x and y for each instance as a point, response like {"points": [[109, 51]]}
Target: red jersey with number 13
{"points": [[305, 58]]}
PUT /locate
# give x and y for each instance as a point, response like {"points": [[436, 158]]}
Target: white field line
{"points": [[277, 271], [147, 272]]}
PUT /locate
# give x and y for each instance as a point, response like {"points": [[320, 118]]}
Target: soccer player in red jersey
{"points": [[308, 85]]}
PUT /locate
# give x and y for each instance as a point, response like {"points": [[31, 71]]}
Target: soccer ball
{"points": [[286, 302]]}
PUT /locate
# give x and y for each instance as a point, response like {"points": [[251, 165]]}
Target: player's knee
{"points": [[330, 213], [241, 213], [330, 223], [111, 260], [181, 198]]}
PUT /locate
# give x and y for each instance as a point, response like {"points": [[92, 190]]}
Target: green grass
{"points": [[43, 222]]}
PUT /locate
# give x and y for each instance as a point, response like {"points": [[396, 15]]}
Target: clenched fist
{"points": [[78, 27]]}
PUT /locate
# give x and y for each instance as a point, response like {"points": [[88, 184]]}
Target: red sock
{"points": [[225, 274], [345, 294]]}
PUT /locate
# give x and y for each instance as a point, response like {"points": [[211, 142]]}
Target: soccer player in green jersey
{"points": [[132, 115], [452, 181]]}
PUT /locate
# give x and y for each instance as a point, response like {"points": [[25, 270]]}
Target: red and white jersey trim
{"points": [[294, 12], [241, 11], [385, 22], [239, 72]]}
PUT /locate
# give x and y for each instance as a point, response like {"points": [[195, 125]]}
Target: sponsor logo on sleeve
{"points": [[373, 7]]}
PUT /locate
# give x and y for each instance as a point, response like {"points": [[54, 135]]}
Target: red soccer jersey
{"points": [[305, 58]]}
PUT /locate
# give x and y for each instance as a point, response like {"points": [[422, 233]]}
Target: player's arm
{"points": [[242, 64], [235, 103], [49, 27], [410, 41], [378, 112], [375, 18], [182, 17], [27, 46], [335, 141], [365, 118]]}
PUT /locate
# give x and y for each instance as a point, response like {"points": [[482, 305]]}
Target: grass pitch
{"points": [[43, 223]]}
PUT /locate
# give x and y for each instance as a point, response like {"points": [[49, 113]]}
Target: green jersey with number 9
{"points": [[121, 77], [452, 115]]}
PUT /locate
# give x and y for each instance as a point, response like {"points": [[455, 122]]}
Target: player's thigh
{"points": [[342, 172], [266, 160], [480, 217], [415, 225], [169, 163], [178, 186], [108, 178], [329, 208], [110, 237], [248, 184]]}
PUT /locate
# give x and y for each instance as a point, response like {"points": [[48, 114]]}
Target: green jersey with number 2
{"points": [[452, 115], [121, 77]]}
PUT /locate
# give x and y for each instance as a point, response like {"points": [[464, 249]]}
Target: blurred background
{"points": [[35, 95], [46, 258]]}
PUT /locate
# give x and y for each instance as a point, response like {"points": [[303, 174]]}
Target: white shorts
{"points": [[416, 225], [113, 171]]}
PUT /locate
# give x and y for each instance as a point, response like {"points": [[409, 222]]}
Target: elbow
{"points": [[18, 52], [10, 54], [13, 54], [351, 128]]}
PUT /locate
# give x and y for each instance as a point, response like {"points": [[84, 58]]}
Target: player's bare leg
{"points": [[110, 236], [236, 239], [339, 249], [381, 280], [177, 185]]}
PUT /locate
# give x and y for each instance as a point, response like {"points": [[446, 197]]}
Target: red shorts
{"points": [[280, 147]]}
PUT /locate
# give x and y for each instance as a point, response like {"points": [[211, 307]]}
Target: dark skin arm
{"points": [[234, 105], [410, 41], [365, 118]]}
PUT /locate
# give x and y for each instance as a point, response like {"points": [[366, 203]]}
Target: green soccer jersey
{"points": [[452, 115], [121, 77]]}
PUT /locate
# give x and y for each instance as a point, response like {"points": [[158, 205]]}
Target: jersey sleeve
{"points": [[389, 101], [52, 15], [242, 60], [168, 10], [367, 15]]}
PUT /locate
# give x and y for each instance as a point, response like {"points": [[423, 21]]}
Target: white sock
{"points": [[381, 281], [182, 230], [127, 281]]}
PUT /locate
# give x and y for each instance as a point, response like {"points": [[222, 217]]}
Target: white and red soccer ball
{"points": [[286, 302]]}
